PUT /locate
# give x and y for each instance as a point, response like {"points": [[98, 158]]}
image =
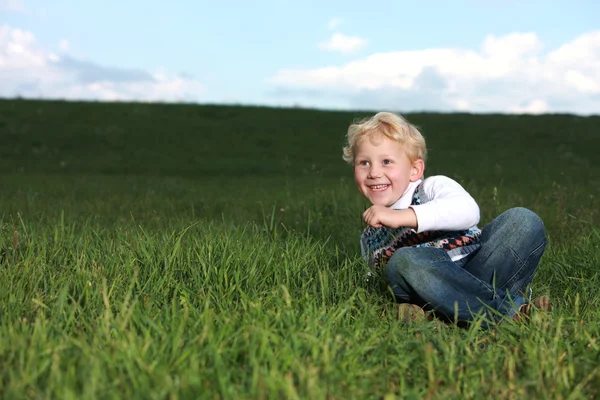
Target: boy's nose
{"points": [[374, 173]]}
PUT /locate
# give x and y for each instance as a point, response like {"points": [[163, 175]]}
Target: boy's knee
{"points": [[399, 262], [409, 260], [522, 230], [527, 221]]}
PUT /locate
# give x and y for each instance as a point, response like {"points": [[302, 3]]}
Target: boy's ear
{"points": [[418, 167]]}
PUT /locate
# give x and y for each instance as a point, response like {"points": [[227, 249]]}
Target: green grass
{"points": [[180, 251]]}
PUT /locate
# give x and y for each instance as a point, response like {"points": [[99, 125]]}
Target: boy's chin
{"points": [[380, 202]]}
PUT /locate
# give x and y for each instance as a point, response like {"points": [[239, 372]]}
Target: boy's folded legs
{"points": [[428, 277]]}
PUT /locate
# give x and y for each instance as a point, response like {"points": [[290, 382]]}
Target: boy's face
{"points": [[383, 171]]}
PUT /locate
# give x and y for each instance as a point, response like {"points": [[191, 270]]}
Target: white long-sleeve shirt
{"points": [[447, 206]]}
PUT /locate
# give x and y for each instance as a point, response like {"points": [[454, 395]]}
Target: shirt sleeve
{"points": [[449, 207]]}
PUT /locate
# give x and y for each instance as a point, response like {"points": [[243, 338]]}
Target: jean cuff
{"points": [[510, 306]]}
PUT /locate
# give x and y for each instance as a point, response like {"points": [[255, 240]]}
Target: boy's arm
{"points": [[378, 216], [449, 207]]}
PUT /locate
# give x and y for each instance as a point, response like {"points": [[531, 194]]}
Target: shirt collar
{"points": [[406, 198]]}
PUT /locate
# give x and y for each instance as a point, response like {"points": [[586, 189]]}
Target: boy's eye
{"points": [[363, 163], [387, 162]]}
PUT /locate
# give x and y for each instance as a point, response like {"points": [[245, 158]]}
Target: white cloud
{"points": [[535, 107], [343, 44], [29, 71], [511, 46], [334, 23], [13, 5], [64, 45], [512, 73]]}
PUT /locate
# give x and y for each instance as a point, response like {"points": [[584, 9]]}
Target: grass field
{"points": [[204, 252]]}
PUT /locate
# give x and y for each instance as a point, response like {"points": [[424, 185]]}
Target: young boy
{"points": [[424, 231]]}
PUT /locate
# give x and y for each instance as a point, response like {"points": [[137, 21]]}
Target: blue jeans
{"points": [[493, 278]]}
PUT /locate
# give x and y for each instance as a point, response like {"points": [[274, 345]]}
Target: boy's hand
{"points": [[378, 216]]}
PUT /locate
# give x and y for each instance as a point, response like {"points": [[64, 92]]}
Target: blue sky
{"points": [[469, 55]]}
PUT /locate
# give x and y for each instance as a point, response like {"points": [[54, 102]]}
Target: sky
{"points": [[480, 56]]}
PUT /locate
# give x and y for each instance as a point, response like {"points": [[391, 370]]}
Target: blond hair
{"points": [[392, 126]]}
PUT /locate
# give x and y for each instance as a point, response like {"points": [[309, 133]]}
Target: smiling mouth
{"points": [[378, 188]]}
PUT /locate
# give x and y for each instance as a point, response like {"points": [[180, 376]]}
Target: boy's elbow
{"points": [[474, 215]]}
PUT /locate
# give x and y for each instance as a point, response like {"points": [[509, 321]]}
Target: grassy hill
{"points": [[192, 141], [186, 251]]}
